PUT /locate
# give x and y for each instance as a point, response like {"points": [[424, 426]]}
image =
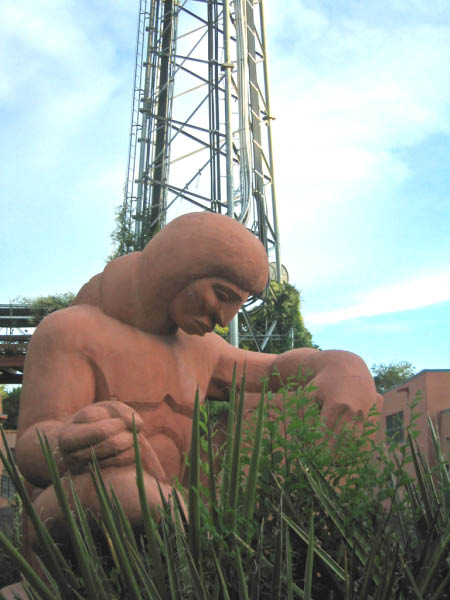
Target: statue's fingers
{"points": [[123, 459], [76, 436], [150, 460], [92, 412], [125, 413], [334, 415], [109, 408], [106, 448]]}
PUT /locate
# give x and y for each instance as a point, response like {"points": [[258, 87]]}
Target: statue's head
{"points": [[205, 302], [198, 271]]}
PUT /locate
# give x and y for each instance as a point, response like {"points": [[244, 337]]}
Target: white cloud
{"points": [[59, 67], [406, 295], [349, 90]]}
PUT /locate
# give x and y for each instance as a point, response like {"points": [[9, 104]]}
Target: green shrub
{"points": [[9, 572], [295, 511]]}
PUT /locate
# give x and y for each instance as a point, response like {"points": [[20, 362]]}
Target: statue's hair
{"points": [[208, 244], [138, 288]]}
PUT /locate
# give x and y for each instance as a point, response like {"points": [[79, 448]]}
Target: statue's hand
{"points": [[346, 398], [106, 428]]}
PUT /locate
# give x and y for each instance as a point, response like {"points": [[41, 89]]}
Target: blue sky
{"points": [[361, 96]]}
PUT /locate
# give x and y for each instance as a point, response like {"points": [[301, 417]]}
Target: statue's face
{"points": [[204, 303]]}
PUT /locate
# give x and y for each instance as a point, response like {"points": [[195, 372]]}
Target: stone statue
{"points": [[136, 344]]}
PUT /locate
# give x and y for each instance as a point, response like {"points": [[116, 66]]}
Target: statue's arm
{"points": [[257, 366], [344, 387], [58, 381]]}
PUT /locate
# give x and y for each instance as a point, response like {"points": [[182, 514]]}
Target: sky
{"points": [[361, 97]]}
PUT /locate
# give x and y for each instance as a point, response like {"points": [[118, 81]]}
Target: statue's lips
{"points": [[202, 327]]}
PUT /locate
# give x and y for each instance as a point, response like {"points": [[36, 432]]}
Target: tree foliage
{"points": [[293, 510], [44, 305], [122, 236], [389, 376], [10, 406], [282, 305]]}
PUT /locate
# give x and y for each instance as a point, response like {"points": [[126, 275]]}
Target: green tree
{"points": [[122, 236], [389, 376], [282, 305], [44, 305], [10, 406]]}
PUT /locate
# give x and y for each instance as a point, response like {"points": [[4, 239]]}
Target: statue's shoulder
{"points": [[67, 327]]}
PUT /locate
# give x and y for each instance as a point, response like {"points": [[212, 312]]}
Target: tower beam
{"points": [[201, 124], [201, 134]]}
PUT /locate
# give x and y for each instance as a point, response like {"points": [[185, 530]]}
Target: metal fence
{"points": [[7, 488]]}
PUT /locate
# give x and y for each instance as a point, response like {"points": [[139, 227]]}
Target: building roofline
{"points": [[422, 372], [432, 371]]}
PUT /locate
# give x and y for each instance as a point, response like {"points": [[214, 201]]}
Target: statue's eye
{"points": [[221, 295], [226, 294]]}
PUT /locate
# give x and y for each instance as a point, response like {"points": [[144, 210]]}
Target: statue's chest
{"points": [[150, 373]]}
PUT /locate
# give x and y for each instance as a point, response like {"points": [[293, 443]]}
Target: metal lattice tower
{"points": [[201, 122], [15, 321]]}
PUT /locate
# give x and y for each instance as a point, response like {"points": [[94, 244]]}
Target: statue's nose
{"points": [[219, 318], [224, 315]]}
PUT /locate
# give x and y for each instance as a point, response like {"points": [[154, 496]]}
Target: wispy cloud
{"points": [[407, 295], [351, 88]]}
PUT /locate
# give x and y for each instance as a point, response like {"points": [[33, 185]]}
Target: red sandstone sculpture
{"points": [[137, 344]]}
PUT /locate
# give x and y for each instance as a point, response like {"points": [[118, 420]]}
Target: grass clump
{"points": [[293, 511]]}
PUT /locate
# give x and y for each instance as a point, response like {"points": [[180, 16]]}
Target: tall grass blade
{"points": [[95, 560], [53, 557], [347, 582], [78, 545], [429, 478], [389, 581], [361, 545], [309, 560], [289, 576], [170, 563], [443, 588], [196, 578], [440, 553], [146, 581], [124, 521], [224, 491], [183, 570], [414, 588], [236, 456], [242, 580], [194, 487], [153, 539], [424, 559], [444, 475], [28, 572], [256, 579], [324, 556], [424, 496], [223, 585], [82, 520], [114, 533], [370, 574], [250, 491], [276, 571], [212, 477]]}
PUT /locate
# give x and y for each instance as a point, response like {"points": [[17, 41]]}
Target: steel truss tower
{"points": [[201, 120]]}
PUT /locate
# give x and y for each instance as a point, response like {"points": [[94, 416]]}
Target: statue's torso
{"points": [[156, 375]]}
